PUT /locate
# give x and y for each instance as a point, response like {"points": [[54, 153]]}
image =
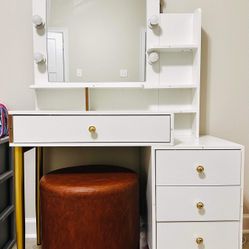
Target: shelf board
{"points": [[182, 110], [171, 86], [79, 85], [138, 85], [173, 48]]}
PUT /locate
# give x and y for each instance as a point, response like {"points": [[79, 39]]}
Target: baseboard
{"points": [[30, 228]]}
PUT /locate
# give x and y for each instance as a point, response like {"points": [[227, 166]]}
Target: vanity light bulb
{"points": [[153, 57], [153, 21], [38, 21], [39, 58]]}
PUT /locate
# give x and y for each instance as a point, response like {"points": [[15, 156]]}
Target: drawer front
{"points": [[179, 167], [215, 235], [180, 203], [109, 128]]}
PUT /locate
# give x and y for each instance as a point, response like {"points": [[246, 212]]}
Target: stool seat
{"points": [[88, 179], [90, 207]]}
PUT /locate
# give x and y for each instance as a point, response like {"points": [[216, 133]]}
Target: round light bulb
{"points": [[38, 21], [153, 57], [39, 58], [153, 21]]}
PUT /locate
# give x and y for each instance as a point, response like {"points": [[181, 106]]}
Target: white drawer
{"points": [[75, 128], [215, 235], [180, 203], [179, 167]]}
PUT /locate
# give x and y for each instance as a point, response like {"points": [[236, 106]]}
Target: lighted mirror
{"points": [[96, 40]]}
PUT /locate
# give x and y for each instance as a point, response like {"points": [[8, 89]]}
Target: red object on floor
{"points": [[90, 207]]}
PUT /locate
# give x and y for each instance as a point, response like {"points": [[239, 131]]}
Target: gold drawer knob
{"points": [[92, 129], [200, 205], [199, 240], [200, 169]]}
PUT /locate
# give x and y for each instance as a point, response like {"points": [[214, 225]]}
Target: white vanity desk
{"points": [[194, 188], [194, 184]]}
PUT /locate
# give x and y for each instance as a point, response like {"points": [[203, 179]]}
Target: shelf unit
{"points": [[177, 40], [172, 83], [7, 237]]}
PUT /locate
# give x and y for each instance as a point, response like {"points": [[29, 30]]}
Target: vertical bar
{"points": [[87, 98], [19, 197], [39, 172]]}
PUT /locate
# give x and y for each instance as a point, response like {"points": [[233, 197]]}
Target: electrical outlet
{"points": [[79, 72], [123, 73]]}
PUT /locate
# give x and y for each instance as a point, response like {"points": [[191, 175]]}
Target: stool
{"points": [[90, 207]]}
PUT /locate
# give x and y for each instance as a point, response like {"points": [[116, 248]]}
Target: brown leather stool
{"points": [[90, 207]]}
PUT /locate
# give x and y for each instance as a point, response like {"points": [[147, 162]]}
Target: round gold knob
{"points": [[200, 169], [92, 129], [200, 205], [199, 240]]}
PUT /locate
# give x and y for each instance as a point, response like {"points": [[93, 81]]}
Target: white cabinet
{"points": [[198, 197]]}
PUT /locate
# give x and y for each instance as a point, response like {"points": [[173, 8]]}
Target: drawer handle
{"points": [[200, 169], [92, 129], [199, 240], [200, 205]]}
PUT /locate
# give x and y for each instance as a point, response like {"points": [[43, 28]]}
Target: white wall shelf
{"points": [[183, 110], [170, 86], [80, 85], [173, 48]]}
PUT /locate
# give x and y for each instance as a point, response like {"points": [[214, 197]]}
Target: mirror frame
{"points": [[40, 45]]}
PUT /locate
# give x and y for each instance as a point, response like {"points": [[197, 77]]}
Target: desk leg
{"points": [[19, 197], [39, 170]]}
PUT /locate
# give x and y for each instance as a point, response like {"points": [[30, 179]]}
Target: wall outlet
{"points": [[79, 72], [123, 73]]}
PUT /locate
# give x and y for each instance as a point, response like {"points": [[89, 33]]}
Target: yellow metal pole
{"points": [[19, 197], [39, 169]]}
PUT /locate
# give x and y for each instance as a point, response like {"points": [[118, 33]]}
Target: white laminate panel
{"points": [[216, 235], [179, 203], [109, 128], [178, 167]]}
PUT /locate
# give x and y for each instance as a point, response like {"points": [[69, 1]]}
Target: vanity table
{"points": [[194, 185]]}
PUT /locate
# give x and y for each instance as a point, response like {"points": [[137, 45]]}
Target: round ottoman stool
{"points": [[90, 207]]}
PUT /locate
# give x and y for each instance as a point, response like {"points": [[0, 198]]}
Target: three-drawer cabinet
{"points": [[198, 198]]}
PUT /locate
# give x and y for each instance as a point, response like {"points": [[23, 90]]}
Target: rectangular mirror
{"points": [[96, 40]]}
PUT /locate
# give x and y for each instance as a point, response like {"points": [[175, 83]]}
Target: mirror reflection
{"points": [[96, 40]]}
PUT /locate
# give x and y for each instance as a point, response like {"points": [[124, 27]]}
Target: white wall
{"points": [[225, 63], [16, 64]]}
